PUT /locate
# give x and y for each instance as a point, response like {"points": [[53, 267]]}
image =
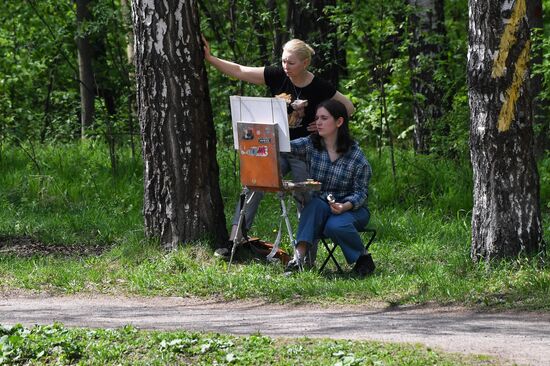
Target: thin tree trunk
{"points": [[506, 217], [126, 18], [306, 20], [278, 31], [126, 72], [86, 74], [47, 104], [390, 135], [427, 32], [542, 138], [182, 199]]}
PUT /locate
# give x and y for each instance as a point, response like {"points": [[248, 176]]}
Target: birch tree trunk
{"points": [[427, 36], [506, 218], [182, 199]]}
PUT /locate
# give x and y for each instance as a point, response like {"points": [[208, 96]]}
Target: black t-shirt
{"points": [[315, 92]]}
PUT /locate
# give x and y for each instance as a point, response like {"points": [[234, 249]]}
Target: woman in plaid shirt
{"points": [[335, 160]]}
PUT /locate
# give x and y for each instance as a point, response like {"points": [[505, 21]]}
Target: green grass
{"points": [[72, 197], [57, 345], [421, 251]]}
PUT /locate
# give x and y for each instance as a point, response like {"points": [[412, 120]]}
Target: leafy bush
{"points": [[422, 182]]}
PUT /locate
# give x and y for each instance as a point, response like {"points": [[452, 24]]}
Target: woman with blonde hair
{"points": [[302, 90]]}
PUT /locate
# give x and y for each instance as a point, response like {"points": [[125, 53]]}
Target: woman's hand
{"points": [[312, 127], [249, 74], [206, 48], [339, 208]]}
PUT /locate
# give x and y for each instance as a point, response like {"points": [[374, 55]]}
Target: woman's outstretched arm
{"points": [[254, 75]]}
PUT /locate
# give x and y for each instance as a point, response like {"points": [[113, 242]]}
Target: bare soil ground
{"points": [[26, 246]]}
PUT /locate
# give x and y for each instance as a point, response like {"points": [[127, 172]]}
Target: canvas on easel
{"points": [[259, 156], [264, 111], [260, 130]]}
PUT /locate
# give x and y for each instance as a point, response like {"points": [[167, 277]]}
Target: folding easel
{"points": [[260, 129]]}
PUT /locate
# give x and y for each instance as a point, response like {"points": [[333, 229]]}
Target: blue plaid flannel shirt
{"points": [[347, 178]]}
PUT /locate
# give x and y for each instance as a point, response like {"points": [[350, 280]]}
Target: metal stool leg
{"points": [[330, 255], [373, 235], [330, 250]]}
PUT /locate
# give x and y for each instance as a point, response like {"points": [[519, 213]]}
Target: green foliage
{"points": [[108, 32], [39, 90], [541, 46], [235, 40], [544, 171], [377, 55], [36, 46], [450, 137], [423, 182], [39, 86], [57, 345]]}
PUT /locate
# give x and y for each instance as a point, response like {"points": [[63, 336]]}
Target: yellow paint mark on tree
{"points": [[508, 38], [508, 109]]}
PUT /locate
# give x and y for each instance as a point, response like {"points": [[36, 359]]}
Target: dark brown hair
{"points": [[343, 138]]}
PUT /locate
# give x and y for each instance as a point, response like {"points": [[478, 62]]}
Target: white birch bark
{"points": [[506, 217], [182, 199]]}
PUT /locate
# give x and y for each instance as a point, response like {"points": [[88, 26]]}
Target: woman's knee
{"points": [[334, 227], [315, 203], [315, 213]]}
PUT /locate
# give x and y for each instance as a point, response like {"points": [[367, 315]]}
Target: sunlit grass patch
{"points": [[57, 345]]}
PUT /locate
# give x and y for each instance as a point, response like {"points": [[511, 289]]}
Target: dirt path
{"points": [[523, 338]]}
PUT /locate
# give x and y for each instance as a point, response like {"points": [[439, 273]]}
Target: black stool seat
{"points": [[330, 246]]}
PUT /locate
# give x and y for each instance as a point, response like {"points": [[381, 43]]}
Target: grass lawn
{"points": [[70, 197]]}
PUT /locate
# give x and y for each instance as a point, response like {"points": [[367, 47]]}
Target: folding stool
{"points": [[330, 246]]}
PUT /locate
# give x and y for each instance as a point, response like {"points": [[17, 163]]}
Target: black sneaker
{"points": [[222, 252], [294, 265], [225, 250], [364, 265]]}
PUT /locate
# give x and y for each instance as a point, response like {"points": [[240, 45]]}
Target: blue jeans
{"points": [[288, 163], [317, 220]]}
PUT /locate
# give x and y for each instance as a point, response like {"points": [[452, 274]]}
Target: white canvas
{"points": [[272, 111]]}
